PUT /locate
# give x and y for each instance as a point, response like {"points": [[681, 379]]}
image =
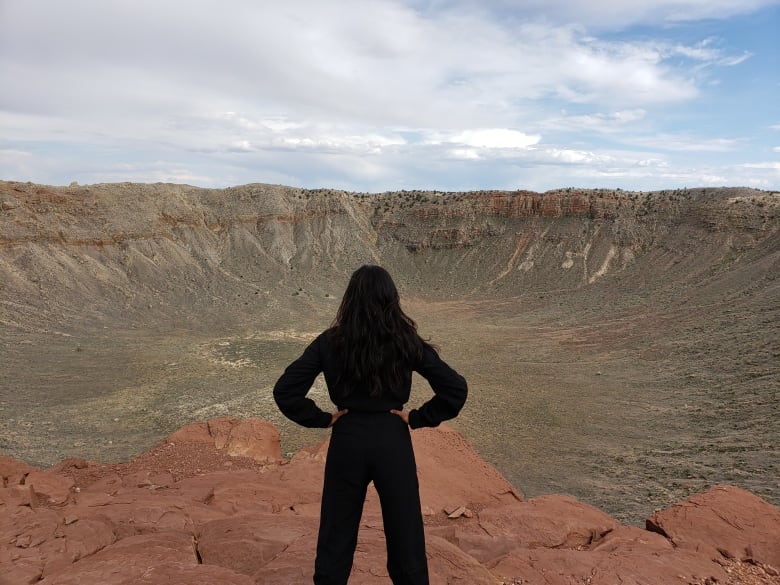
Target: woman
{"points": [[367, 357]]}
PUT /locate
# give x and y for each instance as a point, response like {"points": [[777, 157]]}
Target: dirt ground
{"points": [[613, 411]]}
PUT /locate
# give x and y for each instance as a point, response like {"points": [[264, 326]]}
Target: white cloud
{"points": [[772, 166], [702, 51], [141, 59], [302, 92], [336, 142], [596, 122], [631, 74], [735, 60], [464, 154], [495, 138], [575, 156], [681, 142]]}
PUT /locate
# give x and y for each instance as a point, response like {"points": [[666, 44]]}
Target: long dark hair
{"points": [[376, 342]]}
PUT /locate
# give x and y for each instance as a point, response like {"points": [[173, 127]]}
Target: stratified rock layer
{"points": [[130, 252], [215, 503]]}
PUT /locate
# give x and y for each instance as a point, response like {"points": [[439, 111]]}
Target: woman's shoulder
{"points": [[429, 349], [325, 339]]}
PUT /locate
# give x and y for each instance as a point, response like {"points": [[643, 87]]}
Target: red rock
{"points": [[40, 542], [26, 528], [163, 558], [253, 438], [255, 495], [201, 487], [556, 521], [74, 541], [140, 510], [136, 523], [567, 566], [19, 570], [725, 519], [294, 566], [442, 454], [49, 488], [549, 521], [448, 564], [13, 471], [148, 479], [247, 543], [630, 538], [279, 488], [298, 482], [311, 509], [108, 484], [16, 495], [73, 463], [472, 540], [256, 439], [167, 574]]}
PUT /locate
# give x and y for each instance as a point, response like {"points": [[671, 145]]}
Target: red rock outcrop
{"points": [[252, 438], [215, 503], [724, 520]]}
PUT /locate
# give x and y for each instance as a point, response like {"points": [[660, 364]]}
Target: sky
{"points": [[384, 95]]}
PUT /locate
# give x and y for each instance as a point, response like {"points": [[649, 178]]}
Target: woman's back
{"points": [[375, 342], [367, 357]]}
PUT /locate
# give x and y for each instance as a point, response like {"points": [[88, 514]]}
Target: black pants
{"points": [[365, 447]]}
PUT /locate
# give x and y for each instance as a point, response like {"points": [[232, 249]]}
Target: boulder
{"points": [[555, 521], [559, 522], [442, 456], [48, 488], [724, 520], [13, 471], [252, 437], [16, 495]]}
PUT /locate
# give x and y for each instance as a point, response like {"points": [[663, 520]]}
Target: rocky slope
{"points": [[104, 252], [216, 503]]}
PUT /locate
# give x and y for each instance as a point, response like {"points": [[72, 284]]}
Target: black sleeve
{"points": [[291, 389], [449, 388]]}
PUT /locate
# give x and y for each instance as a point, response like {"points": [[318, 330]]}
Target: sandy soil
{"points": [[611, 411]]}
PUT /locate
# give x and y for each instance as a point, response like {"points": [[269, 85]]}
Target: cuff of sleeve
{"points": [[324, 420], [414, 420]]}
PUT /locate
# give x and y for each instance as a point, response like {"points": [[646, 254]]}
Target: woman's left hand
{"points": [[336, 416], [404, 414]]}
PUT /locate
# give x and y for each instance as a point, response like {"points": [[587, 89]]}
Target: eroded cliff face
{"points": [[85, 252], [510, 243]]}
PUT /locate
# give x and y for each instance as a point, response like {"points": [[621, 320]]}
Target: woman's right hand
{"points": [[336, 416], [404, 414]]}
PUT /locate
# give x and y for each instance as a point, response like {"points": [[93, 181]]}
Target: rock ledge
{"points": [[216, 503]]}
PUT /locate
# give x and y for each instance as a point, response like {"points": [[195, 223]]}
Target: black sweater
{"points": [[290, 391]]}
